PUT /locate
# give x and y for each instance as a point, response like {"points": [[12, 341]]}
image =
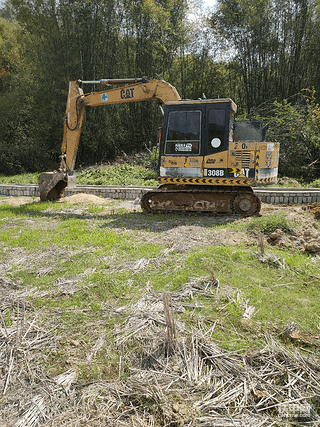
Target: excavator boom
{"points": [[52, 184]]}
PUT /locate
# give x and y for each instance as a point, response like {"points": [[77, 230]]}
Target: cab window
{"points": [[217, 121], [184, 133]]}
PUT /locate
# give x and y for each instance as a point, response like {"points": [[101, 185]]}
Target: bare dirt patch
{"points": [[16, 201], [306, 230]]}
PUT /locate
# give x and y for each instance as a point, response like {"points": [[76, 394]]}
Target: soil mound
{"points": [[314, 208]]}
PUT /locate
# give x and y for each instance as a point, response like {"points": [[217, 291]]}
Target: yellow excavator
{"points": [[208, 161]]}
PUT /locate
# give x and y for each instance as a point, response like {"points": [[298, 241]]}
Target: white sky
{"points": [[210, 2]]}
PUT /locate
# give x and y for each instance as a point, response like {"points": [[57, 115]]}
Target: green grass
{"points": [[122, 175], [91, 243], [25, 178], [87, 263], [314, 184], [100, 254]]}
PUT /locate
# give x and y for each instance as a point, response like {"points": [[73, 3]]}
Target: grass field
{"points": [[80, 272]]}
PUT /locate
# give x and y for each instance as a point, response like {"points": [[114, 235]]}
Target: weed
{"points": [[8, 318], [94, 209], [270, 223], [119, 174], [122, 174], [314, 184]]}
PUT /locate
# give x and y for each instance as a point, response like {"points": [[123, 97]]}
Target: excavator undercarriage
{"points": [[210, 200]]}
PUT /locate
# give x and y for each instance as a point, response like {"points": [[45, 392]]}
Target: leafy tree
{"points": [[198, 68], [296, 126], [10, 57], [17, 152], [94, 39], [270, 42]]}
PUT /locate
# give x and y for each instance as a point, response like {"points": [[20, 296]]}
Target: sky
{"points": [[210, 2]]}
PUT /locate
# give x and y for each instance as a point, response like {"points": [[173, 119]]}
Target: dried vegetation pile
{"points": [[168, 374]]}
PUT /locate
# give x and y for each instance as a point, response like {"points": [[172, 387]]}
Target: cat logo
{"points": [[126, 93], [244, 173]]}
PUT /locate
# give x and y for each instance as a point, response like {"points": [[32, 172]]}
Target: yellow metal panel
{"points": [[242, 158], [269, 158], [73, 120], [173, 161], [151, 90], [252, 158], [242, 146], [194, 162], [263, 146], [219, 160]]}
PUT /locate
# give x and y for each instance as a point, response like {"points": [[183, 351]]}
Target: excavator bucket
{"points": [[52, 185]]}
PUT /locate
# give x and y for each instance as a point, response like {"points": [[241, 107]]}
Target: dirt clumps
{"points": [[16, 200], [312, 239], [304, 232], [276, 236], [314, 208], [308, 240], [313, 246]]}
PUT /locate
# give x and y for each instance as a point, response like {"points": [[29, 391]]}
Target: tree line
{"points": [[261, 53]]}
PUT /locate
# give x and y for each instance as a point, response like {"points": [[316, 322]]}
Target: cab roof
{"points": [[205, 101]]}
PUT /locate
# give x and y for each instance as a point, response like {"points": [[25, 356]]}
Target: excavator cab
{"points": [[195, 139]]}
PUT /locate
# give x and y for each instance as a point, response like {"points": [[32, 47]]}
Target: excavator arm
{"points": [[52, 184]]}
